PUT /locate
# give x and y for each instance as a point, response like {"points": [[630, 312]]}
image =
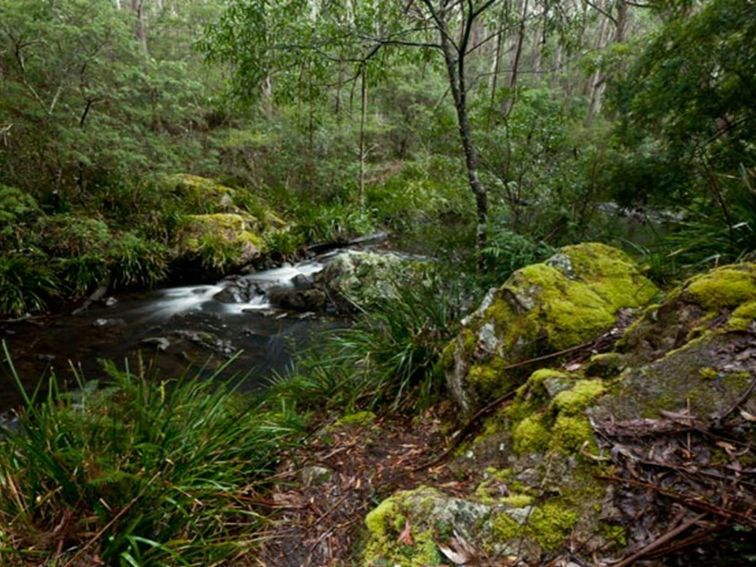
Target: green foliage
{"points": [[26, 282], [331, 223], [688, 128], [136, 261], [161, 467], [507, 251], [16, 207], [87, 108], [81, 274], [388, 357], [73, 235]]}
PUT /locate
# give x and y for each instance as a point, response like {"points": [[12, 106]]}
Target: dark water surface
{"points": [[171, 329]]}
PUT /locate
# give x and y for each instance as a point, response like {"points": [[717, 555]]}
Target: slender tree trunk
{"points": [[455, 70], [495, 64], [139, 32], [512, 84], [597, 80], [363, 113]]}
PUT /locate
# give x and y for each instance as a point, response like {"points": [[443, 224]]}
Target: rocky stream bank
{"points": [[593, 419]]}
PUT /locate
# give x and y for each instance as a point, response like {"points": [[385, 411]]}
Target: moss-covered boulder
{"points": [[202, 195], [356, 279], [407, 528], [572, 297], [220, 227], [542, 460], [220, 240]]}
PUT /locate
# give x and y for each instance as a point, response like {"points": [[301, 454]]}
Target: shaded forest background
{"points": [[626, 122]]}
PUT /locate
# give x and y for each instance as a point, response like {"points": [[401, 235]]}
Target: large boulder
{"points": [[687, 363], [356, 279], [219, 240], [202, 195], [221, 227], [569, 299]]}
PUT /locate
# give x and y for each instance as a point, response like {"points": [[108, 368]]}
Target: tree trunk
{"points": [[457, 84], [512, 84], [137, 6], [597, 84], [363, 112]]}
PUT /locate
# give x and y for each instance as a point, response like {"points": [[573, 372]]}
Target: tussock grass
{"points": [[388, 358], [137, 471]]}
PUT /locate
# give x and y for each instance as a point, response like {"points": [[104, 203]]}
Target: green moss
{"points": [[570, 433], [446, 360], [505, 528], [490, 379], [546, 307], [614, 534], [737, 380], [552, 523], [530, 435], [468, 342], [725, 287], [386, 519], [535, 383], [517, 500], [221, 239], [708, 373], [604, 365], [743, 317], [571, 298], [361, 418], [579, 397]]}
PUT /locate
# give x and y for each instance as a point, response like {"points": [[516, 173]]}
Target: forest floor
{"points": [[326, 487]]}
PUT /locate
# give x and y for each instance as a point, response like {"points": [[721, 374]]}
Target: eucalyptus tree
{"points": [[287, 41]]}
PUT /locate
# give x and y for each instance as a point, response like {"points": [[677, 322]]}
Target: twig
{"points": [[742, 399], [465, 431], [691, 502], [658, 542]]}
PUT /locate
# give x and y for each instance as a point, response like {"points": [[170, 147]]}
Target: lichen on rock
{"points": [[355, 279]]}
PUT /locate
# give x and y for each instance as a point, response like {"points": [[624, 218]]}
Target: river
{"points": [[170, 330]]}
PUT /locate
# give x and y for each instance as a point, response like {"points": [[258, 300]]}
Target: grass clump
{"points": [[25, 284], [389, 357], [139, 471]]}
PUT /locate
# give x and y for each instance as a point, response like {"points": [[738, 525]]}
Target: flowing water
{"points": [[201, 327]]}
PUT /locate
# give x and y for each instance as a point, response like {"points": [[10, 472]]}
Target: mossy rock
{"points": [[432, 517], [571, 298], [541, 457], [725, 295], [202, 195], [694, 351], [221, 240], [355, 279]]}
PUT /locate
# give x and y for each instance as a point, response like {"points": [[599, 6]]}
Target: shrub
{"points": [[136, 261], [507, 251], [142, 471], [72, 235], [80, 274], [16, 208], [26, 284]]}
